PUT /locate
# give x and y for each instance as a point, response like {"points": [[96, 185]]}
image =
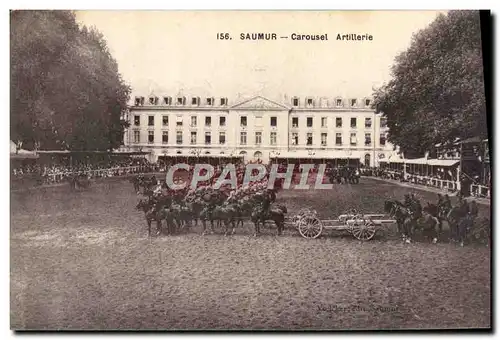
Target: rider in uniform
{"points": [[157, 191], [414, 207], [417, 206], [440, 201], [407, 202], [464, 212], [447, 202], [260, 206], [153, 180], [210, 200], [473, 212]]}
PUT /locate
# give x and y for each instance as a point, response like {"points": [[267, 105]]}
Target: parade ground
{"points": [[82, 260]]}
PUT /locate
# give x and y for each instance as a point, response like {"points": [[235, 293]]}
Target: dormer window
{"points": [[223, 101], [195, 101], [153, 100], [210, 101], [139, 101], [368, 102], [181, 100], [309, 102], [295, 101], [354, 102], [167, 100], [338, 102]]}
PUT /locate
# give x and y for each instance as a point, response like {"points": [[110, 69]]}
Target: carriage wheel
{"points": [[310, 227], [364, 231]]}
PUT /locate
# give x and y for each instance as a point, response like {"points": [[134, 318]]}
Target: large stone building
{"points": [[258, 128]]}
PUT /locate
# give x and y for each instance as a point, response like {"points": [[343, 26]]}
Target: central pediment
{"points": [[259, 103]]}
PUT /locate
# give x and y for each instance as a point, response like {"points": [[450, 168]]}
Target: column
{"points": [[459, 186]]}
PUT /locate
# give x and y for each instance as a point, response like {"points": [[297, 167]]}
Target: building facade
{"points": [[258, 128]]}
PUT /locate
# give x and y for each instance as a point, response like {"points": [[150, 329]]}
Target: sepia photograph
{"points": [[280, 170]]}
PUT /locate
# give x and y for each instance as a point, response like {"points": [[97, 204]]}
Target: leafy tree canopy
{"points": [[436, 93], [66, 92]]}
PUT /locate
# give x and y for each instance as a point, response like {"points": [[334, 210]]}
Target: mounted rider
{"points": [[157, 190], [413, 206], [407, 202], [153, 181], [447, 202], [262, 205]]}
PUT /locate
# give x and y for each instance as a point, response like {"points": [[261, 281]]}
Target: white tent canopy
{"points": [[442, 162], [416, 161], [423, 161]]}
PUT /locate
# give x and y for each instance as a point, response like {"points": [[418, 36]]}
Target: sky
{"points": [[177, 52]]}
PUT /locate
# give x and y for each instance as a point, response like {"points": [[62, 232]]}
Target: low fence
{"points": [[442, 184], [481, 191]]}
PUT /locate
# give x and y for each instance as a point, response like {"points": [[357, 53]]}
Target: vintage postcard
{"points": [[249, 170]]}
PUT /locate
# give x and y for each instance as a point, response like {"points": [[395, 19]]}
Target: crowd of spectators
{"points": [[55, 171], [50, 171]]}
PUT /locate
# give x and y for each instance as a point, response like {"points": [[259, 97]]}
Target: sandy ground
{"points": [[82, 260]]}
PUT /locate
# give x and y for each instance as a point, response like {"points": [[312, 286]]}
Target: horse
{"points": [[428, 224], [229, 213], [173, 215], [436, 211], [212, 212], [400, 213], [136, 182], [192, 212], [151, 214], [245, 208], [263, 212], [461, 220]]}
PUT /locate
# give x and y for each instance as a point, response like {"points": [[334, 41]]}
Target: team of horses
{"points": [[182, 208], [344, 175], [460, 218]]}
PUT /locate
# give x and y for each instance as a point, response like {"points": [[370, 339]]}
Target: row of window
{"points": [[210, 101], [208, 138], [338, 122], [258, 121], [179, 122], [195, 101], [338, 139], [258, 138], [339, 102]]}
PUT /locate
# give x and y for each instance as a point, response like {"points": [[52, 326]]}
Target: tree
{"points": [[66, 91], [436, 93]]}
